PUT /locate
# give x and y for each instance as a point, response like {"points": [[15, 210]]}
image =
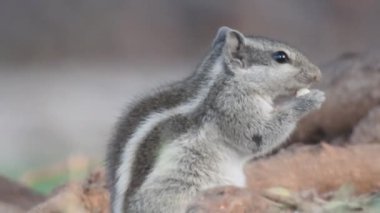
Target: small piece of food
{"points": [[302, 91]]}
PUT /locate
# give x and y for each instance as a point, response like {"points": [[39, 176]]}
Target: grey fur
{"points": [[235, 119], [164, 98]]}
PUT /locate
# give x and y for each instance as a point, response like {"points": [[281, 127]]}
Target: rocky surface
{"points": [[368, 129], [228, 199], [89, 196], [15, 197], [323, 168], [352, 86]]}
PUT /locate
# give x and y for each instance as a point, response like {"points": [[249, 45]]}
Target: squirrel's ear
{"points": [[235, 42], [221, 35]]}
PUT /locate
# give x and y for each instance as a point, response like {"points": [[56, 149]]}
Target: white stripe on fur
{"points": [[128, 156]]}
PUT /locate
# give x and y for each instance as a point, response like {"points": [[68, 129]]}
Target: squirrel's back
{"points": [[162, 99]]}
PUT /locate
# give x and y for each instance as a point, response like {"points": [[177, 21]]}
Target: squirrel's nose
{"points": [[315, 75], [318, 75]]}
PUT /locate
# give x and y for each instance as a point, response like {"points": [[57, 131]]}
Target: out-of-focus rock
{"points": [[6, 207], [323, 169], [16, 196], [368, 129], [352, 86], [228, 199], [90, 196]]}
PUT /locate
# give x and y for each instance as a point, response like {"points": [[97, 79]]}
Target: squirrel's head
{"points": [[267, 66]]}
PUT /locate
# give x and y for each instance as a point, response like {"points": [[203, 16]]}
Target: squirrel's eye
{"points": [[280, 57]]}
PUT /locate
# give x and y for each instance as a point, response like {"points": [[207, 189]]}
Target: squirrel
{"points": [[199, 132]]}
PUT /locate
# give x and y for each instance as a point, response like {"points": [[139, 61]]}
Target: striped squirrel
{"points": [[199, 132]]}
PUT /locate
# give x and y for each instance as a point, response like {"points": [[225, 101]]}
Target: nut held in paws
{"points": [[302, 91]]}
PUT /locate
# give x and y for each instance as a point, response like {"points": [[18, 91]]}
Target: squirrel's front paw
{"points": [[309, 102]]}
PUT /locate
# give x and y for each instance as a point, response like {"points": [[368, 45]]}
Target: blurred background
{"points": [[68, 68]]}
